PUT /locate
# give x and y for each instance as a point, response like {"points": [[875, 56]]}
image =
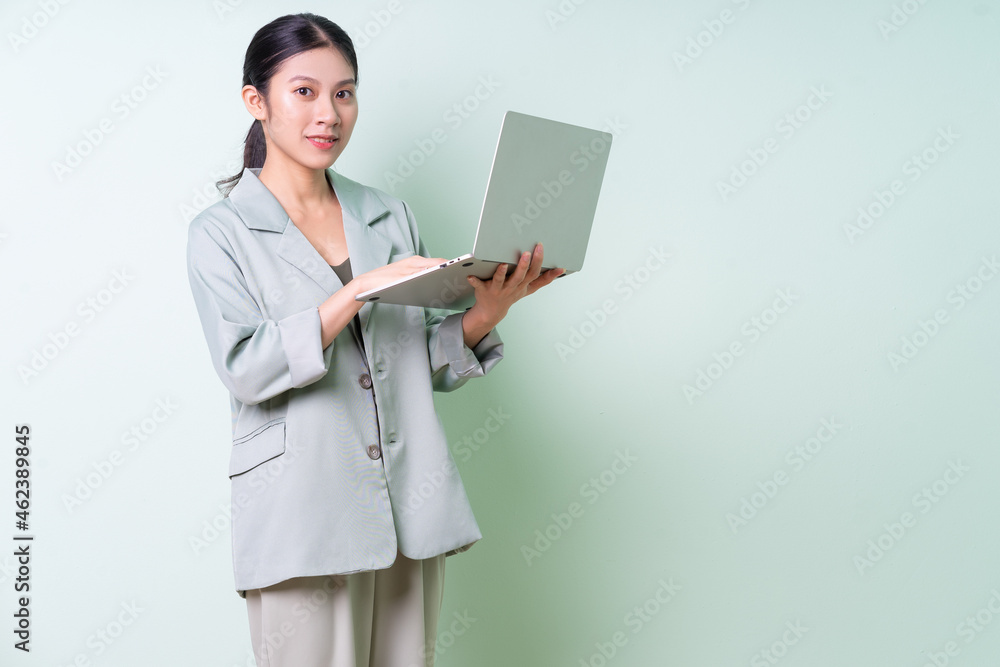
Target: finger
{"points": [[536, 262], [418, 263], [522, 268], [421, 266], [555, 273], [420, 259], [545, 279], [500, 274]]}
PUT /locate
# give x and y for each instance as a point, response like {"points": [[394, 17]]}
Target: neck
{"points": [[297, 187]]}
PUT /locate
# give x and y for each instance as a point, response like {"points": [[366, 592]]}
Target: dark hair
{"points": [[277, 41]]}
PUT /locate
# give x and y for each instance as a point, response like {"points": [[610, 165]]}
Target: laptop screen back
{"points": [[543, 188]]}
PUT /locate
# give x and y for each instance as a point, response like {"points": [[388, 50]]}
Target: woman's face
{"points": [[312, 94]]}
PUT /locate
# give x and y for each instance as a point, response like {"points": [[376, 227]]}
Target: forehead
{"points": [[316, 66]]}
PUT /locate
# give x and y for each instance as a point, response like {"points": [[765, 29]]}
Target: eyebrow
{"points": [[309, 79]]}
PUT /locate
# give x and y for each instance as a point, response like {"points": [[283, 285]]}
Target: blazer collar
{"points": [[367, 247], [260, 209]]}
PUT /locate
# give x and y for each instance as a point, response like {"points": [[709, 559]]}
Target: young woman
{"points": [[345, 498]]}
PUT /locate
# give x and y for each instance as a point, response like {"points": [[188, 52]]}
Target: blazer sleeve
{"points": [[453, 363], [256, 358]]}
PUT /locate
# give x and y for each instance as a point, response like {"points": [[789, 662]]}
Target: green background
{"points": [[817, 548]]}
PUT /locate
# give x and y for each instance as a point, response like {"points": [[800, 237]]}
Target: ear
{"points": [[254, 102]]}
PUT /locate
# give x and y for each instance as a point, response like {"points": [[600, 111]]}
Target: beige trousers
{"points": [[381, 618]]}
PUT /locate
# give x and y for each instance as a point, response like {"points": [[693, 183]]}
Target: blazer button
{"points": [[365, 381], [374, 452]]}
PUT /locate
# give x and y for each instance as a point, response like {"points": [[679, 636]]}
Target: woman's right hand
{"points": [[336, 312], [391, 272]]}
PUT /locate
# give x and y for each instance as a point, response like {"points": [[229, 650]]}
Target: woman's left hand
{"points": [[495, 296]]}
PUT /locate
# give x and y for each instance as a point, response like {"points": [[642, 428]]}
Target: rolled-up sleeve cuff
{"points": [[489, 350], [466, 362], [301, 338]]}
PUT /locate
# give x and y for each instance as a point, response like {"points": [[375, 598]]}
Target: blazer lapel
{"points": [[296, 249], [368, 248]]}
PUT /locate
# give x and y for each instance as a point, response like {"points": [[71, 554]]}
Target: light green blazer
{"points": [[308, 498]]}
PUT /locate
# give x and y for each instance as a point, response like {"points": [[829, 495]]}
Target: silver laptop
{"points": [[543, 188]]}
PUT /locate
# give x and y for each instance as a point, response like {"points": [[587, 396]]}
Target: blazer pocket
{"points": [[262, 444]]}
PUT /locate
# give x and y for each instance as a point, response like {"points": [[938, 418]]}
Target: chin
{"points": [[322, 162]]}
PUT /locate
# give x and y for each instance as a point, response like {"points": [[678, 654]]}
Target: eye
{"points": [[348, 93], [302, 88]]}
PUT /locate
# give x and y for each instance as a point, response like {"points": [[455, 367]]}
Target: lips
{"points": [[323, 143]]}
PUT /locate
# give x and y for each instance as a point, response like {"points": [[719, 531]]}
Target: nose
{"points": [[330, 113]]}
